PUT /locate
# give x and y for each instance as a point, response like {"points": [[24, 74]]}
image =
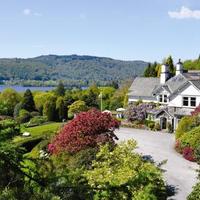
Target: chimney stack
{"points": [[164, 75], [179, 67]]}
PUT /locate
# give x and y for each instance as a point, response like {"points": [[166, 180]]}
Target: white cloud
{"points": [[27, 11], [185, 13]]}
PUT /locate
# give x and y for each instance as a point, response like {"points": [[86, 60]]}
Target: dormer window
{"points": [[160, 98], [163, 98]]}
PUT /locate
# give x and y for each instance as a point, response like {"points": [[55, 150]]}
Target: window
{"points": [[189, 101], [165, 98], [160, 98], [185, 101], [193, 101]]}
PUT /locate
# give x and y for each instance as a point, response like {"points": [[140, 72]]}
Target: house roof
{"points": [[143, 87], [176, 82], [196, 83]]}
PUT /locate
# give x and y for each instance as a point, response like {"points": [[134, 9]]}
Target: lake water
{"points": [[19, 88]]}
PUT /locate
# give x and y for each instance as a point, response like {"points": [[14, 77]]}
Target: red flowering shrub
{"points": [[196, 111], [88, 129], [188, 153]]}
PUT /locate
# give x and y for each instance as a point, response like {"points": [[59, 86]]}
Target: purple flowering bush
{"points": [[138, 112]]}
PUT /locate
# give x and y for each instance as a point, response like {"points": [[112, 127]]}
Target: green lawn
{"points": [[38, 132], [39, 139]]}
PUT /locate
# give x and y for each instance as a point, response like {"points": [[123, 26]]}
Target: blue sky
{"points": [[123, 29]]}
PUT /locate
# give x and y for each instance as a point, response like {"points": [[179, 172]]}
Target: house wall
{"points": [[190, 91], [131, 99]]}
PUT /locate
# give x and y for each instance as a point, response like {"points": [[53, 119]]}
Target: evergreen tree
{"points": [[68, 100], [60, 90], [147, 70], [61, 109], [170, 63], [28, 101], [91, 98]]}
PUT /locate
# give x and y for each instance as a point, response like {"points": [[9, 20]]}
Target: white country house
{"points": [[178, 95]]}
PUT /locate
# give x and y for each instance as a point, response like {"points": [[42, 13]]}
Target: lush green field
{"points": [[40, 136], [38, 131]]}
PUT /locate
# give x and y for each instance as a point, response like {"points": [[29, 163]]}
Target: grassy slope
{"points": [[42, 132]]}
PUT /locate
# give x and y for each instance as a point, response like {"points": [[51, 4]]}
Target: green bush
{"points": [[157, 127], [169, 128], [195, 195], [35, 114], [24, 116], [36, 121], [151, 125], [186, 124]]}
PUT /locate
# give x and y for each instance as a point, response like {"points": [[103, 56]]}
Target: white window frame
{"points": [[189, 101]]}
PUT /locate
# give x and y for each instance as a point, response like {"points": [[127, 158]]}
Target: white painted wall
{"points": [[190, 91], [143, 100]]}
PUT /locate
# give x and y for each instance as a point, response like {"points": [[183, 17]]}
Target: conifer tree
{"points": [[28, 102], [60, 90]]}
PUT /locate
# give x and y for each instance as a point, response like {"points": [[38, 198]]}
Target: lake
{"points": [[19, 88]]}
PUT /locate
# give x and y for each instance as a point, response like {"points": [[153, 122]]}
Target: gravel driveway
{"points": [[179, 172]]}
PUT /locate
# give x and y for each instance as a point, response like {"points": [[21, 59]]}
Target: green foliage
{"points": [[195, 194], [8, 129], [24, 116], [36, 121], [8, 100], [49, 109], [192, 64], [117, 100], [169, 128], [170, 63], [17, 109], [60, 90], [77, 107], [186, 124], [122, 174], [61, 108], [74, 70], [28, 101], [150, 71], [90, 97]]}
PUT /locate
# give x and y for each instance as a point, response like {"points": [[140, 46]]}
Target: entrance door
{"points": [[163, 122]]}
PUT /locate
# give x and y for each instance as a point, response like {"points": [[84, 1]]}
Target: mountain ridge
{"points": [[76, 68]]}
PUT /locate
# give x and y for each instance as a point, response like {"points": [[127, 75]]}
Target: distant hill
{"points": [[70, 68]]}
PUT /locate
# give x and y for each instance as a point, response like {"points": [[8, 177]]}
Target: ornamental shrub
{"points": [[195, 195], [138, 112], [188, 153], [24, 116], [121, 173], [186, 124], [88, 129]]}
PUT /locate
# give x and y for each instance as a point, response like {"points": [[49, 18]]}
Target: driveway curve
{"points": [[179, 172]]}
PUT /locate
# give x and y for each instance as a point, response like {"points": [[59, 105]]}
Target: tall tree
{"points": [[170, 63], [28, 101], [61, 109], [91, 97], [8, 99], [60, 90]]}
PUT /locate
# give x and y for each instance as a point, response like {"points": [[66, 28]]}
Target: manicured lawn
{"points": [[38, 132]]}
